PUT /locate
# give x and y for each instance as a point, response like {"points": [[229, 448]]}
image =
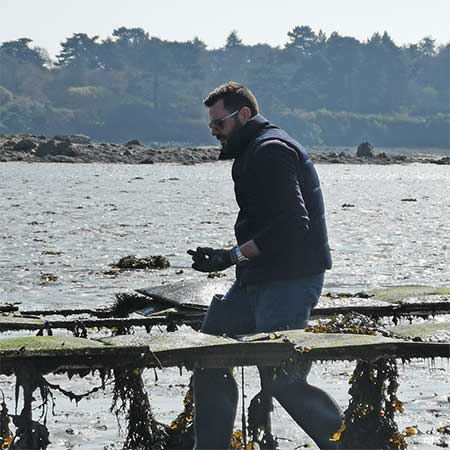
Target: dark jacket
{"points": [[280, 204]]}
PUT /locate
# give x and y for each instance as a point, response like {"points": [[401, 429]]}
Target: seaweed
{"points": [[30, 434], [72, 396], [79, 329], [351, 323], [131, 401], [369, 419], [6, 436], [127, 303], [132, 262]]}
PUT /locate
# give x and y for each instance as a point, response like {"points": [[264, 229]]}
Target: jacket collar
{"points": [[240, 140]]}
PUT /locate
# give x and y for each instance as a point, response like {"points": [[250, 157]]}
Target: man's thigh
{"points": [[287, 304], [230, 315]]}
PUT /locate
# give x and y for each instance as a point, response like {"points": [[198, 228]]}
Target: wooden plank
{"points": [[20, 323], [58, 353], [201, 292], [191, 349], [24, 346], [194, 315], [341, 346], [13, 322], [193, 296], [100, 312], [397, 300], [404, 309], [432, 332], [310, 345], [401, 309], [414, 293]]}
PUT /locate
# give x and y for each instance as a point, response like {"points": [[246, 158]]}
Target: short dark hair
{"points": [[235, 96]]}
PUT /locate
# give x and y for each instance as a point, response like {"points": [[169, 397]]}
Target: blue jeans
{"points": [[263, 307]]}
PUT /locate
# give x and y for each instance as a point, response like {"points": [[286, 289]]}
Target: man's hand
{"points": [[208, 259]]}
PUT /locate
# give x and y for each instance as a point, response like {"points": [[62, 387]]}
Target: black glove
{"points": [[207, 259]]}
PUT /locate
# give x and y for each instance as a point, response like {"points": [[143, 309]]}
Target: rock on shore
{"points": [[78, 148]]}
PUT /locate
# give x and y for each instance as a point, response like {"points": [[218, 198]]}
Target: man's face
{"points": [[222, 129]]}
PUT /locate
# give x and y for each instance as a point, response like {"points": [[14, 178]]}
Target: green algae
{"points": [[47, 343], [8, 319], [400, 293], [193, 349]]}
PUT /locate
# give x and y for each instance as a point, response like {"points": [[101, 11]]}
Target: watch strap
{"points": [[236, 255]]}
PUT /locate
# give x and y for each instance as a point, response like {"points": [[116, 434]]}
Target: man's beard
{"points": [[225, 143], [229, 147]]}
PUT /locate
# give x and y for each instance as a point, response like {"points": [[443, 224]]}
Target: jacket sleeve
{"points": [[286, 216]]}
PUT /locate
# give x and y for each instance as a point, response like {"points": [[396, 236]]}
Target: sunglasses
{"points": [[219, 123]]}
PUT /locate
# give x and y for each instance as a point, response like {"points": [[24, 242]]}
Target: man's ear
{"points": [[245, 114]]}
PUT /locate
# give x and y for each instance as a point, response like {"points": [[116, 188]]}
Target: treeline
{"points": [[332, 90]]}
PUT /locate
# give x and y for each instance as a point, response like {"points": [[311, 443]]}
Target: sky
{"points": [[49, 22]]}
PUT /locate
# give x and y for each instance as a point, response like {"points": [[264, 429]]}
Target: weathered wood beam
{"points": [[192, 349], [8, 323], [100, 312], [195, 316], [400, 309]]}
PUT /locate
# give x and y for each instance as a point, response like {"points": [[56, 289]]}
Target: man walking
{"points": [[281, 255]]}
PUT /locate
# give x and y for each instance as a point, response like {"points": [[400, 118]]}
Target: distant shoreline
{"points": [[80, 149]]}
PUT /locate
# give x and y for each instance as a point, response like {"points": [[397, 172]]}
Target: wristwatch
{"points": [[236, 256]]}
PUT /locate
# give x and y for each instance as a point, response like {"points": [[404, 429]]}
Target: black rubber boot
{"points": [[215, 403], [313, 409]]}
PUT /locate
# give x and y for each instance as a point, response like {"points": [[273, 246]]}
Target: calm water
{"points": [[74, 220]]}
